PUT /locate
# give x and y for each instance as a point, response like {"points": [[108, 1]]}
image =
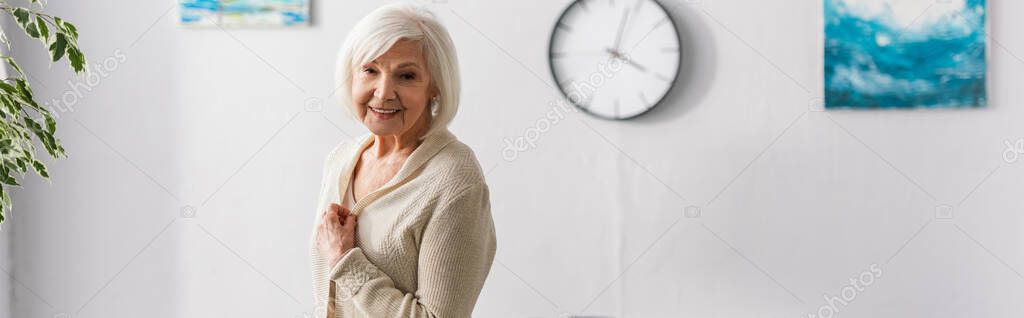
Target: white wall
{"points": [[793, 201]]}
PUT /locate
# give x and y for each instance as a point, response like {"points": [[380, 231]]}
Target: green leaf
{"points": [[26, 91], [51, 124], [7, 179], [5, 202], [13, 107], [76, 59], [21, 15], [57, 48], [21, 164], [10, 61], [42, 4], [33, 125], [70, 29], [52, 146], [8, 88], [40, 169], [32, 30], [44, 31]]}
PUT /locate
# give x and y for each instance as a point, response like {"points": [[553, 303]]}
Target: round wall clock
{"points": [[615, 59]]}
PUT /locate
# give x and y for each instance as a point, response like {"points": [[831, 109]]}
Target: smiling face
{"points": [[392, 93]]}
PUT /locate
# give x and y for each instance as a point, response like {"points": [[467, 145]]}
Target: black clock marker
{"points": [[663, 77], [564, 27]]}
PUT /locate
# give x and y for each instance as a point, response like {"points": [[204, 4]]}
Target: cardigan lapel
{"points": [[426, 150]]}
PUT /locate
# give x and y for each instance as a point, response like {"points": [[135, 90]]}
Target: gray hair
{"points": [[376, 33]]}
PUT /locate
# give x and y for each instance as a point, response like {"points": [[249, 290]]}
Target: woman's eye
{"points": [[408, 76], [369, 71]]}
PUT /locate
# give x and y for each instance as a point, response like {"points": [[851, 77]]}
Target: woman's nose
{"points": [[385, 89]]}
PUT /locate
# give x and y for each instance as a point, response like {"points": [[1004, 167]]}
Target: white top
{"points": [[425, 241]]}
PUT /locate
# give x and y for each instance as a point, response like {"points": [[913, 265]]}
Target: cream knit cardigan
{"points": [[425, 240]]}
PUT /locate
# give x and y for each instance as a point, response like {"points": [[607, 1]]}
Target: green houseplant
{"points": [[23, 122]]}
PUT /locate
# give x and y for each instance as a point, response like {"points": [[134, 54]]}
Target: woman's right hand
{"points": [[335, 234]]}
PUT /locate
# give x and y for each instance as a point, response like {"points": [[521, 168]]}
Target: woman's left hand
{"points": [[335, 234]]}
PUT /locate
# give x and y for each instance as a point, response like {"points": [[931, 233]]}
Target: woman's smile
{"points": [[384, 113]]}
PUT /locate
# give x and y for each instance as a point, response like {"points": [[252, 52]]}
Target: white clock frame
{"points": [[646, 45]]}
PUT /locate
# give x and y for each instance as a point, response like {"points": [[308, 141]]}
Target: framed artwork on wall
{"points": [[244, 13], [905, 53]]}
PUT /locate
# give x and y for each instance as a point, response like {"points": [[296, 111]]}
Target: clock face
{"points": [[615, 59]]}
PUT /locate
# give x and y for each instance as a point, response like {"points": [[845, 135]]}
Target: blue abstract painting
{"points": [[244, 13], [905, 53]]}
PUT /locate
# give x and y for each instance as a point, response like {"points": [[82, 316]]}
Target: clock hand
{"points": [[577, 53], [616, 54], [637, 66], [622, 26]]}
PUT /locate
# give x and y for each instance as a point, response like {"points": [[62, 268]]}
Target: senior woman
{"points": [[403, 225]]}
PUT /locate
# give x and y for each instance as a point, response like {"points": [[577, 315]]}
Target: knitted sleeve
{"points": [[455, 256]]}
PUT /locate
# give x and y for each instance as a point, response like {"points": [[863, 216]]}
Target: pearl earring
{"points": [[434, 103]]}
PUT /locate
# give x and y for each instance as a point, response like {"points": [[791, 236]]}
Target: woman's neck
{"points": [[401, 144], [386, 146]]}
